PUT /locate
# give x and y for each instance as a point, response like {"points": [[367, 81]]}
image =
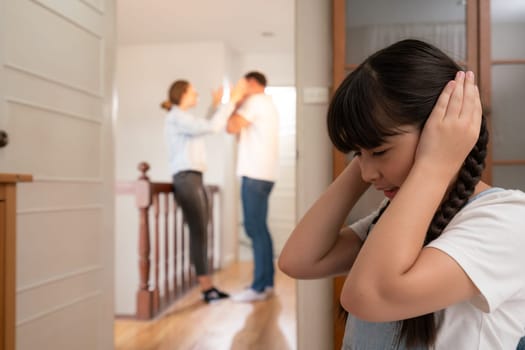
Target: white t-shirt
{"points": [[487, 239], [258, 156]]}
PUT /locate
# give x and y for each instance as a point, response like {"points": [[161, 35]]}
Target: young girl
{"points": [[187, 155], [440, 263]]}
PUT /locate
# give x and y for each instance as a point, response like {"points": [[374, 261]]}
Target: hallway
{"points": [[193, 325]]}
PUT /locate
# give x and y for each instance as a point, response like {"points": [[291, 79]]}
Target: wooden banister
{"points": [[155, 202], [8, 257]]}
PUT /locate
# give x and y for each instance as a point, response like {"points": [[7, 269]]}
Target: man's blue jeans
{"points": [[521, 345], [255, 195]]}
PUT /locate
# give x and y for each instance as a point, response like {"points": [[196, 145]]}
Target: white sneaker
{"points": [[269, 291], [249, 295]]}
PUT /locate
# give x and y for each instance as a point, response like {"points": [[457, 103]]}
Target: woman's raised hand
{"points": [[238, 92], [216, 96], [452, 128]]}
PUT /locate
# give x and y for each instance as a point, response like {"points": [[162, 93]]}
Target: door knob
{"points": [[4, 139]]}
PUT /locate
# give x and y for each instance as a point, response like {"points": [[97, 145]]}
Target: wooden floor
{"points": [[193, 325]]}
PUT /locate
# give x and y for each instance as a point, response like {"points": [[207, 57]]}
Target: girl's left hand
{"points": [[452, 128]]}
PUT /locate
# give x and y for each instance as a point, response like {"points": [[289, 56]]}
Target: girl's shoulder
{"points": [[496, 198], [496, 212]]}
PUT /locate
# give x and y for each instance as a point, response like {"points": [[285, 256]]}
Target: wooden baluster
{"points": [[183, 253], [166, 211], [175, 251], [156, 255], [143, 201], [147, 194], [211, 242]]}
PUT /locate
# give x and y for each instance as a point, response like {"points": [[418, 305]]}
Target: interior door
{"points": [[506, 71], [56, 66]]}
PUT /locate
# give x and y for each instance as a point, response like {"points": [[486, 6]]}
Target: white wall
{"points": [[144, 74], [279, 68], [314, 166]]}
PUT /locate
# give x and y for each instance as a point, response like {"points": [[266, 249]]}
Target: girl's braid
{"points": [[468, 177]]}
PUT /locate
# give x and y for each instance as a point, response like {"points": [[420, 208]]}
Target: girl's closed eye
{"points": [[379, 153]]}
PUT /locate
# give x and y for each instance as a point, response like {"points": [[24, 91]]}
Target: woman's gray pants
{"points": [[191, 196]]}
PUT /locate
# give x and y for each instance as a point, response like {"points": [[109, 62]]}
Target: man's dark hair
{"points": [[258, 76]]}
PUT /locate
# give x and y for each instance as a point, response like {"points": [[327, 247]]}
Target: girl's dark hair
{"points": [[399, 85], [177, 89]]}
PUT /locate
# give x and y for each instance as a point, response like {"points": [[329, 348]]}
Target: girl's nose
{"points": [[369, 171]]}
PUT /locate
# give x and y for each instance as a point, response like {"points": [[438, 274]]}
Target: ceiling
{"points": [[247, 26], [242, 24]]}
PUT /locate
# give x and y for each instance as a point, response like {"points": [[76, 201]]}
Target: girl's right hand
{"points": [[452, 129]]}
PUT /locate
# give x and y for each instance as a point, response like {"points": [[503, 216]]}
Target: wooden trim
{"points": [[339, 41], [13, 178], [5, 317], [8, 258], [161, 187], [339, 68], [340, 163], [338, 159], [129, 187], [485, 77], [504, 62], [472, 36], [350, 66], [10, 266]]}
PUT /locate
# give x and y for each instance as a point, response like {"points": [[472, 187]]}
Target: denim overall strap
{"points": [[362, 335]]}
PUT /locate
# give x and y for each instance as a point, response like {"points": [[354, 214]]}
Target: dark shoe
{"points": [[213, 294]]}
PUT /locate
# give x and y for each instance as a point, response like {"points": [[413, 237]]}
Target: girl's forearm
{"points": [[395, 242], [316, 233]]}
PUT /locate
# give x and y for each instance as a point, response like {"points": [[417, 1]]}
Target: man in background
{"points": [[256, 122]]}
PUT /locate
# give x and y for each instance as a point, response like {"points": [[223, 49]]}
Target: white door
{"points": [[56, 67]]}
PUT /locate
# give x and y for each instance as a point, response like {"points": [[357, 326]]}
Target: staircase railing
{"points": [[165, 270]]}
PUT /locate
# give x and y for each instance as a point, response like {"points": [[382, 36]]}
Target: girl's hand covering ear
{"points": [[452, 128]]}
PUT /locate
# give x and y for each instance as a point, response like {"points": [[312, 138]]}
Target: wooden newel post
{"points": [[8, 257], [143, 201]]}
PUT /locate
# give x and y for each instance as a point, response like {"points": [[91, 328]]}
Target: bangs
{"points": [[358, 116]]}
